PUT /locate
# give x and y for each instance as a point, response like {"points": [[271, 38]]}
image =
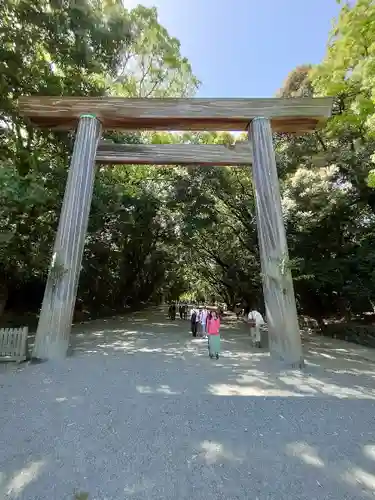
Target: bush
{"points": [[358, 334]]}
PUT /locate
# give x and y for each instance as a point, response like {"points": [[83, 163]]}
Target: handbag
{"points": [[252, 323]]}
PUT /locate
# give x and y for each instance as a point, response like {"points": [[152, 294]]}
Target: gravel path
{"points": [[140, 412]]}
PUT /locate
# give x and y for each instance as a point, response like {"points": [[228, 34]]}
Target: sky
{"points": [[246, 48]]}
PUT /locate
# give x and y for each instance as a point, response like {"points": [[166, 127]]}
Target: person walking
{"points": [[213, 331], [194, 322], [199, 324], [173, 312], [255, 321], [203, 322], [238, 310]]}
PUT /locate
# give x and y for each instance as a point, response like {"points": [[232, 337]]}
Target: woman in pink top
{"points": [[213, 329]]}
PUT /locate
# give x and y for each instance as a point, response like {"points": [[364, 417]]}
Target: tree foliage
{"points": [[83, 48], [161, 233]]}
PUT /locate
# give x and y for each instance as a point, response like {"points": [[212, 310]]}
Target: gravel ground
{"points": [[140, 412]]}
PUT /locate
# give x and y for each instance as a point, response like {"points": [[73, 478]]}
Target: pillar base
{"points": [[285, 364]]}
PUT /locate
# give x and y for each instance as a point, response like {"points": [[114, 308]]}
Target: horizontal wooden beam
{"points": [[174, 154], [287, 115]]}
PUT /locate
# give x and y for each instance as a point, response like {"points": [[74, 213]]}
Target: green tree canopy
{"points": [[164, 233]]}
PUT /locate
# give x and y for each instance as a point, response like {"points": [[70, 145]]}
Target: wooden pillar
{"points": [[52, 337], [284, 335]]}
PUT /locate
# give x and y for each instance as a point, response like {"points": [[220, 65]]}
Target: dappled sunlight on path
{"points": [[140, 411], [241, 370]]}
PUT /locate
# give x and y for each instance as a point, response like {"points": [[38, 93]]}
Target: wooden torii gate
{"points": [[90, 115]]}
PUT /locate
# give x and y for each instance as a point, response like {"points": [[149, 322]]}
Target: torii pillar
{"points": [[281, 312], [56, 315]]}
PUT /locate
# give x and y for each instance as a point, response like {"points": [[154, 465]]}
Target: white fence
{"points": [[13, 344]]}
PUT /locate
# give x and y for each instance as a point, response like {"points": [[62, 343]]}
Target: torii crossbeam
{"points": [[174, 154], [90, 115]]}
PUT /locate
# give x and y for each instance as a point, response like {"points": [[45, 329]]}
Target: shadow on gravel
{"points": [[241, 370], [140, 411], [167, 446]]}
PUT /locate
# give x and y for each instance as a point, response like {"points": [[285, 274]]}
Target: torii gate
{"points": [[90, 115]]}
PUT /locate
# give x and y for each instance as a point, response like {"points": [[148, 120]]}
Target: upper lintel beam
{"points": [[293, 115]]}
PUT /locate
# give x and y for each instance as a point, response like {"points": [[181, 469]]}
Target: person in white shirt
{"points": [[255, 320], [203, 322]]}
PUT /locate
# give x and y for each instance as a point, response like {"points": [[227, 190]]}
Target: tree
{"points": [[152, 65], [348, 73], [79, 49], [334, 161], [298, 83]]}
